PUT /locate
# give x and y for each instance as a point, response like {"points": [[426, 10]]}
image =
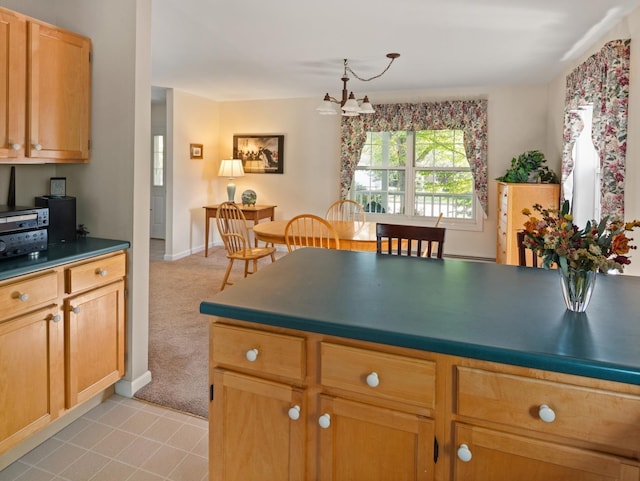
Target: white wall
{"points": [[192, 183], [628, 28]]}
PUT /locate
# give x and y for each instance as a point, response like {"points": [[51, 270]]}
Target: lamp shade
{"points": [[231, 168]]}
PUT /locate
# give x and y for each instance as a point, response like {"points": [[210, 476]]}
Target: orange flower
{"points": [[620, 244]]}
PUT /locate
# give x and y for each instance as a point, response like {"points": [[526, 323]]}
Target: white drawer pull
{"points": [[546, 413], [75, 310], [252, 355], [294, 413], [464, 453], [23, 297], [56, 318], [15, 146], [101, 272], [37, 146], [373, 380], [324, 421]]}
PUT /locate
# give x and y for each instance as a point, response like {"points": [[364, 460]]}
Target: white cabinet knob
{"points": [[56, 318], [464, 454], [373, 380], [294, 413], [23, 297], [15, 146], [75, 310], [37, 146], [101, 272], [324, 421], [546, 413], [252, 355]]}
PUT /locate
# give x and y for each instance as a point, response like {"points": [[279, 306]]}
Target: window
{"points": [[158, 160], [421, 173]]}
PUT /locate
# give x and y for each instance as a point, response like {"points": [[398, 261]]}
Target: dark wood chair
{"points": [[523, 255], [409, 240]]}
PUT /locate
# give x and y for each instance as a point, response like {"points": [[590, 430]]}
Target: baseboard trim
{"points": [[127, 388]]}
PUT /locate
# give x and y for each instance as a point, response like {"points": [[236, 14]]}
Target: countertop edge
{"points": [[567, 365]]}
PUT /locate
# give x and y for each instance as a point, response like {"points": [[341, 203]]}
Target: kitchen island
{"points": [[482, 363]]}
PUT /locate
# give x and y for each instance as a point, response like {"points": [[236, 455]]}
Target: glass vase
{"points": [[577, 287]]}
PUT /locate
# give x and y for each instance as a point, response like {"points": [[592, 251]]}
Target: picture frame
{"points": [[58, 186], [195, 151], [260, 153]]}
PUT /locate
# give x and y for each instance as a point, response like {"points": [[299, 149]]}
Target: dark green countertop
{"points": [[507, 314], [58, 254]]}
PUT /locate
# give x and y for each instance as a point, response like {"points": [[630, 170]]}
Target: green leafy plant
{"points": [[529, 166]]}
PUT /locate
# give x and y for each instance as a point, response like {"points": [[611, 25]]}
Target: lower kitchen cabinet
{"points": [[61, 341], [262, 424], [94, 343], [361, 441], [30, 374], [298, 405], [487, 454]]}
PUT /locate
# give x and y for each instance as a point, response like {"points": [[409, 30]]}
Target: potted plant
{"points": [[528, 167]]}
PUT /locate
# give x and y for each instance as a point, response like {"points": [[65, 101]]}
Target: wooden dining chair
{"points": [[523, 255], [308, 230], [410, 240], [233, 229], [345, 210]]}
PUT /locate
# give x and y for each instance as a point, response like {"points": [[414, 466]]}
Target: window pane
{"points": [[158, 160], [440, 182]]}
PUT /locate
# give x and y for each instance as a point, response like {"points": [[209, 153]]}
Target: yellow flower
{"points": [[526, 211], [620, 245], [568, 217]]}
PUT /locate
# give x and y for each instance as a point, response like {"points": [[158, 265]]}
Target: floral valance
{"points": [[469, 116], [601, 80]]}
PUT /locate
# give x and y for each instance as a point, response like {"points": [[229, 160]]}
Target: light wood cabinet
{"points": [[542, 425], [59, 345], [271, 388], [512, 198], [378, 412], [46, 88]]}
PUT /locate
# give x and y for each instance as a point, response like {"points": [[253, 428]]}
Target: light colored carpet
{"points": [[178, 333]]}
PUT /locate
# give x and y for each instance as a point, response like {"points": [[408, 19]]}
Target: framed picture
{"points": [[195, 151], [58, 187], [260, 154]]}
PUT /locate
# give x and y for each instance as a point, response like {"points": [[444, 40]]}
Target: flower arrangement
{"points": [[601, 246]]}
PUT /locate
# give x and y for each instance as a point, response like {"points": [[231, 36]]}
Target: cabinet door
{"points": [[94, 347], [500, 456], [31, 373], [13, 38], [359, 441], [59, 91], [252, 435]]}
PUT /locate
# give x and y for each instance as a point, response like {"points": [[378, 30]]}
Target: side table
{"points": [[251, 212]]}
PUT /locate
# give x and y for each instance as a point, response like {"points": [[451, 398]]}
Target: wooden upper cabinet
{"points": [[13, 35], [45, 92], [59, 72]]}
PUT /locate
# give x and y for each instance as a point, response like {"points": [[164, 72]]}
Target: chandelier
{"points": [[349, 105]]}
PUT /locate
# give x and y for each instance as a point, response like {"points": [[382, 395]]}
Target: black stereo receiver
{"points": [[23, 230]]}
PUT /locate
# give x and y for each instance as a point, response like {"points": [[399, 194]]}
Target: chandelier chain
{"points": [[348, 69]]}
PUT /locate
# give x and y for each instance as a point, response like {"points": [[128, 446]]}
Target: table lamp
{"points": [[231, 168]]}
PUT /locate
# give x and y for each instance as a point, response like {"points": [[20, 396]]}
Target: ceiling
{"points": [[230, 50]]}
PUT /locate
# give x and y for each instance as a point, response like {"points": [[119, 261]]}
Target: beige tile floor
{"points": [[120, 440]]}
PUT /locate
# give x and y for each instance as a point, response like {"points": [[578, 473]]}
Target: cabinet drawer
{"points": [[95, 273], [592, 415], [399, 378], [259, 351], [22, 295]]}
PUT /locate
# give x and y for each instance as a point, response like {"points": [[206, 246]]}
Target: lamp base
{"points": [[231, 192]]}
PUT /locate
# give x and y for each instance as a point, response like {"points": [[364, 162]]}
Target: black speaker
{"points": [[62, 217]]}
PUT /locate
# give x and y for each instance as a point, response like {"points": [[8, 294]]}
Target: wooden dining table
{"points": [[354, 236]]}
